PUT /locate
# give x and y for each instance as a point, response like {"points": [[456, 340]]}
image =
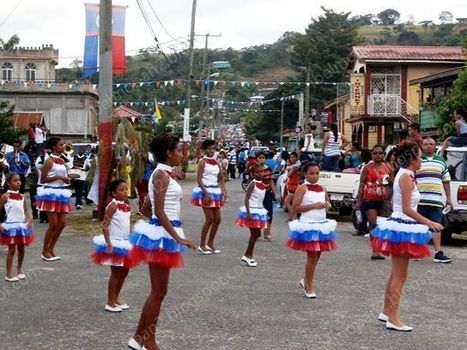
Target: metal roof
{"points": [[397, 53]]}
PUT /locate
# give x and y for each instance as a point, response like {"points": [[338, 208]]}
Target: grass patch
{"points": [[85, 224]]}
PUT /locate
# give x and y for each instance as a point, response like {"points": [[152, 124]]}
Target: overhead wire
{"points": [[162, 25], [11, 12]]}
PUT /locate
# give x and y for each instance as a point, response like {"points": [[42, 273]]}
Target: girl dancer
{"points": [[404, 234], [312, 233], [293, 180], [16, 231], [112, 246], [159, 242], [270, 193], [209, 194], [253, 215], [54, 196]]}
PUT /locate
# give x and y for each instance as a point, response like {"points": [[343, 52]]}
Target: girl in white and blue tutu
{"points": [[54, 196], [112, 247], [404, 235], [160, 242], [253, 214], [312, 233], [210, 195], [16, 232]]}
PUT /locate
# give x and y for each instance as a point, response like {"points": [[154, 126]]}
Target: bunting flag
{"points": [[157, 112], [91, 44]]}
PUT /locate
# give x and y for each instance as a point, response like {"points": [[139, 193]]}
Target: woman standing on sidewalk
{"points": [[54, 196], [209, 194], [404, 234], [374, 190], [161, 241]]}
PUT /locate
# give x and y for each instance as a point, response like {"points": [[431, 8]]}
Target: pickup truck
{"points": [[455, 221]]}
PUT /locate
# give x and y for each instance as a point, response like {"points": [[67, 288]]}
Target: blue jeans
{"points": [[433, 213], [331, 163]]}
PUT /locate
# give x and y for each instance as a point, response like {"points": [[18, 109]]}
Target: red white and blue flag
{"points": [[91, 44]]}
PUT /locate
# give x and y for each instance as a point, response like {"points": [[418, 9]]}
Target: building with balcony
{"points": [[382, 103], [433, 88], [27, 81]]}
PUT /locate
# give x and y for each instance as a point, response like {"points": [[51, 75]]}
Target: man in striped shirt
{"points": [[432, 179]]}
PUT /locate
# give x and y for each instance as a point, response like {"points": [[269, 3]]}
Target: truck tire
{"points": [[346, 211], [446, 235]]}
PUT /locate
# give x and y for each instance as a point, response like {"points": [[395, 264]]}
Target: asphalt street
{"points": [[216, 302]]}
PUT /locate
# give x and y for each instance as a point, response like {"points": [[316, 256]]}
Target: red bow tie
{"points": [[210, 161], [16, 196], [260, 186], [58, 161], [171, 174], [123, 207], [314, 188]]}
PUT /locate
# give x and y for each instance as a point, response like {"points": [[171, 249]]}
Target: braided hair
{"points": [[406, 152]]}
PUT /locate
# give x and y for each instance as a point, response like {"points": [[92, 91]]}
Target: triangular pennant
{"points": [[118, 85]]}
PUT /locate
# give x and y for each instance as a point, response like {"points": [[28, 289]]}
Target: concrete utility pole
{"points": [[105, 102], [190, 72], [281, 142], [203, 76], [307, 92]]}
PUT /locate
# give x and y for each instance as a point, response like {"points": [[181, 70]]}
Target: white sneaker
{"points": [[383, 317], [214, 251], [12, 279], [123, 306], [113, 309], [21, 276], [133, 344], [249, 262], [308, 295]]}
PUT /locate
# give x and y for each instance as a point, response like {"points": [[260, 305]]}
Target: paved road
{"points": [[217, 303]]}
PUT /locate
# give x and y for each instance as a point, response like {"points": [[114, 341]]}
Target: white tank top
{"points": [[173, 195], [257, 196], [58, 169], [120, 222], [463, 127], [211, 172], [333, 147], [14, 207], [315, 193], [309, 145], [397, 195]]}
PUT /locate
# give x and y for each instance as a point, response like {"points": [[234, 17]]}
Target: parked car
{"points": [[455, 221]]}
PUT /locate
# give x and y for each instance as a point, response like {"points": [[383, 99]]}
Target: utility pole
{"points": [[281, 142], [105, 102], [203, 75], [190, 73], [307, 92]]}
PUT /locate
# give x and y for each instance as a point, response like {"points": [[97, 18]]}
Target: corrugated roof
{"points": [[396, 53], [22, 120], [125, 112]]}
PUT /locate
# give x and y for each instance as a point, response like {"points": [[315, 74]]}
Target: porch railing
{"points": [[391, 105]]}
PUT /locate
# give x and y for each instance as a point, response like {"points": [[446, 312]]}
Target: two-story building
{"points": [[27, 81], [382, 103]]}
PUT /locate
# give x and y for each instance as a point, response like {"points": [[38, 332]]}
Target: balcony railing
{"points": [[391, 105]]}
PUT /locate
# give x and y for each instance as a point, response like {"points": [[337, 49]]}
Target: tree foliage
{"points": [[446, 17], [388, 16], [8, 133], [10, 43]]}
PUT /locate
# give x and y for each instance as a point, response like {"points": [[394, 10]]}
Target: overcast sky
{"points": [[242, 22]]}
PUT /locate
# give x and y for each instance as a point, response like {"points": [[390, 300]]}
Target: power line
{"points": [[11, 12], [160, 22]]}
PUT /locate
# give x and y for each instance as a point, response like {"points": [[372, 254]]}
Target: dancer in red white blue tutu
{"points": [[209, 194], [16, 231], [253, 214], [161, 241], [312, 233], [404, 234], [112, 247], [54, 196]]}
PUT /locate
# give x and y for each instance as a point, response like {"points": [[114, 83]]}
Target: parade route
{"points": [[216, 302]]}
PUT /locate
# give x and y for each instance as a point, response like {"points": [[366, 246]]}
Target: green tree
{"points": [[8, 133], [10, 43], [407, 37], [388, 16]]}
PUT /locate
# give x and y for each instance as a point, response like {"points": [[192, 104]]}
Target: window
{"points": [[31, 72], [7, 71]]}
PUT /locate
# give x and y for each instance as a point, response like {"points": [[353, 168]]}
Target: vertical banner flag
{"points": [[157, 112], [91, 44]]}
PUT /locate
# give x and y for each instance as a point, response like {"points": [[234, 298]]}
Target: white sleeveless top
{"points": [[257, 196], [333, 147], [309, 145], [14, 207], [311, 196], [397, 195], [463, 127], [120, 222], [173, 195], [211, 172], [58, 169]]}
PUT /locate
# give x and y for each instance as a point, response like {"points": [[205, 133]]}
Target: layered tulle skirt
{"points": [[259, 218], [198, 197], [53, 199], [400, 236], [16, 233], [313, 236], [120, 252], [154, 245]]}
